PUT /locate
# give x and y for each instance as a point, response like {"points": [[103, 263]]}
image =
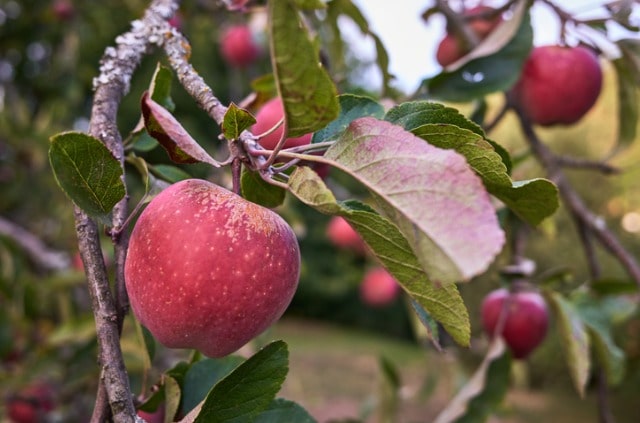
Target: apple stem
{"points": [[236, 171]]}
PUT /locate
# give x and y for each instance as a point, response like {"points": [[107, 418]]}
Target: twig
{"points": [[581, 214], [578, 163], [42, 256]]}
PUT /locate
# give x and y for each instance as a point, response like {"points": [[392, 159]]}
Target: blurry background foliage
{"points": [[47, 63]]}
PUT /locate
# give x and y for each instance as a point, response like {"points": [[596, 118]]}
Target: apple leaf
{"points": [[202, 375], [614, 286], [484, 392], [339, 8], [87, 172], [443, 127], [281, 410], [257, 190], [169, 173], [575, 340], [249, 389], [172, 396], [351, 107], [308, 93], [432, 195], [443, 303], [235, 121], [600, 315], [486, 74], [627, 69], [429, 325], [162, 126]]}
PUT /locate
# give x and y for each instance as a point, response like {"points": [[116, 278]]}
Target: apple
{"points": [[267, 117], [451, 47], [558, 84], [238, 46], [378, 288], [63, 10], [342, 235], [525, 322], [31, 404], [208, 270]]}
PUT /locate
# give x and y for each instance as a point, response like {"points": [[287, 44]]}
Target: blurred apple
{"points": [[32, 404], [238, 46], [342, 235], [266, 118], [379, 288]]}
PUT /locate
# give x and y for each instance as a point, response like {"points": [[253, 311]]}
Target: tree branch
{"points": [[113, 82], [585, 219], [42, 256]]}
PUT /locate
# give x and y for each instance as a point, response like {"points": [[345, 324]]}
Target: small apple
{"points": [[525, 322], [267, 117], [378, 288], [558, 84], [342, 235], [238, 46], [451, 47], [63, 10], [32, 404], [208, 270]]}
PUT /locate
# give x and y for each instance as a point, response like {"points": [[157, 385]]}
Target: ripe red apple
{"points": [[209, 270], [558, 84], [32, 404], [266, 118], [526, 319], [451, 47], [342, 235], [238, 46], [378, 288]]}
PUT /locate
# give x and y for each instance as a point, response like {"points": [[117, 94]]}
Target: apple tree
{"points": [[188, 233]]}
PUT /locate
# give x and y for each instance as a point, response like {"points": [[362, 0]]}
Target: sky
{"points": [[412, 42]]}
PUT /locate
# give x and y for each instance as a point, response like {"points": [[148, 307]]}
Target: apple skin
{"points": [[342, 235], [558, 84], [209, 270], [31, 404], [238, 47], [526, 321], [266, 118], [378, 288], [451, 49]]}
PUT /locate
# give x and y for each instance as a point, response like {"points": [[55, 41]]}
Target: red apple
{"points": [[32, 404], [266, 118], [525, 322], [209, 270], [342, 235], [558, 84], [379, 288], [451, 47], [63, 10], [238, 46]]}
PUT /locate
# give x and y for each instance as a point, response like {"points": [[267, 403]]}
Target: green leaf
{"points": [[444, 303], [281, 410], [202, 375], [432, 195], [627, 69], [235, 121], [575, 340], [257, 190], [171, 174], [351, 107], [430, 325], [532, 200], [249, 389], [614, 286], [484, 392], [160, 87], [172, 395], [485, 74], [162, 126], [308, 93], [87, 172]]}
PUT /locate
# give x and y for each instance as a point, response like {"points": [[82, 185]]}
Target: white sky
{"points": [[412, 42]]}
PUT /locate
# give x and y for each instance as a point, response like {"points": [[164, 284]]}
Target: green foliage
{"points": [[257, 190], [87, 172], [235, 121]]}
